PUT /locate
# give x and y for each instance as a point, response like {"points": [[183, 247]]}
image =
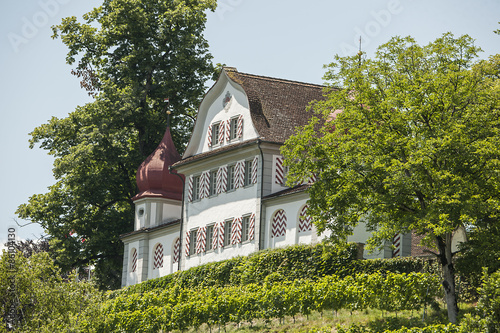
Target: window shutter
{"points": [[304, 220], [312, 179], [221, 132], [177, 245], [279, 170], [255, 164], [190, 189], [215, 235], [201, 239], [251, 227], [158, 257], [222, 179], [236, 231], [240, 126], [204, 184], [134, 260], [209, 135], [220, 234], [228, 130], [279, 224], [396, 242], [188, 233], [239, 174]]}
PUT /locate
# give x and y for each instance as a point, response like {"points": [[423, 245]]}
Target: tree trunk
{"points": [[445, 257]]}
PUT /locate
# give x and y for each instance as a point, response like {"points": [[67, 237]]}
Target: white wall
{"points": [[232, 204], [212, 111], [292, 206], [167, 240], [155, 211]]}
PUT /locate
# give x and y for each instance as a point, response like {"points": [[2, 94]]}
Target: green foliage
{"points": [[182, 308], [42, 301], [480, 250], [488, 306], [288, 263], [130, 55], [428, 329], [283, 264], [415, 148]]}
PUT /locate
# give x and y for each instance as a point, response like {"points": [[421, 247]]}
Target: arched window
{"points": [[133, 260], [304, 220], [158, 256], [278, 227], [176, 250]]}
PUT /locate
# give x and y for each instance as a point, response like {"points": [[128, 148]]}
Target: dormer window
{"points": [[233, 129], [216, 134]]}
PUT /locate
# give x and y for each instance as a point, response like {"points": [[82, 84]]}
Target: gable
{"points": [[269, 109], [225, 108]]}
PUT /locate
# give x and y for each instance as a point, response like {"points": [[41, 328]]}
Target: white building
{"points": [[235, 200]]}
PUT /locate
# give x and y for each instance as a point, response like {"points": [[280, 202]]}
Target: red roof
{"points": [[153, 177]]}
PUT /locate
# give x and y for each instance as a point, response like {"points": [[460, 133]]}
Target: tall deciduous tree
{"points": [[416, 145], [130, 55]]}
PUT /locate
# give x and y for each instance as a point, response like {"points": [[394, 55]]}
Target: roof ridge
{"points": [[280, 80]]}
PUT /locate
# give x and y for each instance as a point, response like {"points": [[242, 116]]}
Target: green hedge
{"points": [[282, 264], [182, 308]]}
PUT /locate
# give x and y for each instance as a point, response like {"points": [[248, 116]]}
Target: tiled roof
{"points": [[198, 157], [288, 191], [158, 227], [277, 106]]}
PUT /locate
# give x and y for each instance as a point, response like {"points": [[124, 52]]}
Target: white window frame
{"points": [[212, 183], [215, 133], [193, 234], [286, 169], [228, 226], [230, 177], [233, 128], [210, 237], [245, 227], [247, 178], [196, 187]]}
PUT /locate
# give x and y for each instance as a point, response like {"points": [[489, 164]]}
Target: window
{"points": [[285, 174], [245, 224], [133, 261], [278, 228], [196, 188], [210, 237], [215, 134], [230, 177], [227, 232], [177, 250], [192, 241], [248, 173], [233, 129], [158, 257], [213, 183]]}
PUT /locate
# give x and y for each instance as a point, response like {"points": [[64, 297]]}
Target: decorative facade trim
{"points": [[158, 257], [177, 250], [304, 220], [278, 228]]}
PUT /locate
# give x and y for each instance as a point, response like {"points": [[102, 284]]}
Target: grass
{"points": [[328, 321]]}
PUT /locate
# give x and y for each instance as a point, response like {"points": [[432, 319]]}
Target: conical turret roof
{"points": [[153, 177]]}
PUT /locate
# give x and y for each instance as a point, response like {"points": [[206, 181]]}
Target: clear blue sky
{"points": [[287, 39]]}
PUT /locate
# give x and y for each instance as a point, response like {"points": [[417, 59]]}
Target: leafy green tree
{"points": [[415, 147], [30, 247], [33, 292], [130, 56]]}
